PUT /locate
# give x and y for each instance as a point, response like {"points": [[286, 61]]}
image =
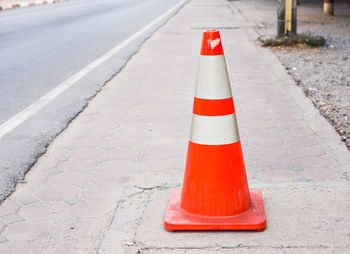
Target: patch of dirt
{"points": [[289, 48]]}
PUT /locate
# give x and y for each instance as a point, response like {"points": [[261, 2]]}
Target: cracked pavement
{"points": [[104, 183]]}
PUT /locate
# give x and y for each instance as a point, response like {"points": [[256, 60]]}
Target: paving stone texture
{"points": [[104, 184]]}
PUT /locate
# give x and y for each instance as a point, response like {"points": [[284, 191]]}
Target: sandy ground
{"points": [[323, 73]]}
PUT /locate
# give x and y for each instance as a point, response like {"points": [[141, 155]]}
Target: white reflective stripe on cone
{"points": [[213, 81], [214, 130]]}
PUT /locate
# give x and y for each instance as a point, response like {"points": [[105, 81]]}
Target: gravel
{"points": [[322, 73]]}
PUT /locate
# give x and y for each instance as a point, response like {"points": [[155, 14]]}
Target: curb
{"points": [[28, 4]]}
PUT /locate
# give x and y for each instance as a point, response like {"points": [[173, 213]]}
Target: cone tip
{"points": [[211, 43]]}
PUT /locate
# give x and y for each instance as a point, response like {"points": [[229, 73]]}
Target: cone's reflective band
{"points": [[214, 130], [215, 193], [212, 81]]}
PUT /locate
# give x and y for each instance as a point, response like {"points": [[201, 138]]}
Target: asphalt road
{"points": [[43, 46]]}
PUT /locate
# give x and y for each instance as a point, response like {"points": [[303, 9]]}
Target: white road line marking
{"points": [[34, 108]]}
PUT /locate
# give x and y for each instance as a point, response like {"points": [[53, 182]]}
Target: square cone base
{"points": [[253, 219]]}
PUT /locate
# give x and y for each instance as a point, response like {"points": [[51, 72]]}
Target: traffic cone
{"points": [[215, 193]]}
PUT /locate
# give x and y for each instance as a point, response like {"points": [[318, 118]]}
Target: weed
{"points": [[303, 38]]}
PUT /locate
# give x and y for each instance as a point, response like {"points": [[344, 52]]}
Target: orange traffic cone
{"points": [[215, 193]]}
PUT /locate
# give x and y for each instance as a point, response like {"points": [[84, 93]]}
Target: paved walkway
{"points": [[104, 184]]}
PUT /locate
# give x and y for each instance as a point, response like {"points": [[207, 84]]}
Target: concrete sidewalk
{"points": [[104, 184]]}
